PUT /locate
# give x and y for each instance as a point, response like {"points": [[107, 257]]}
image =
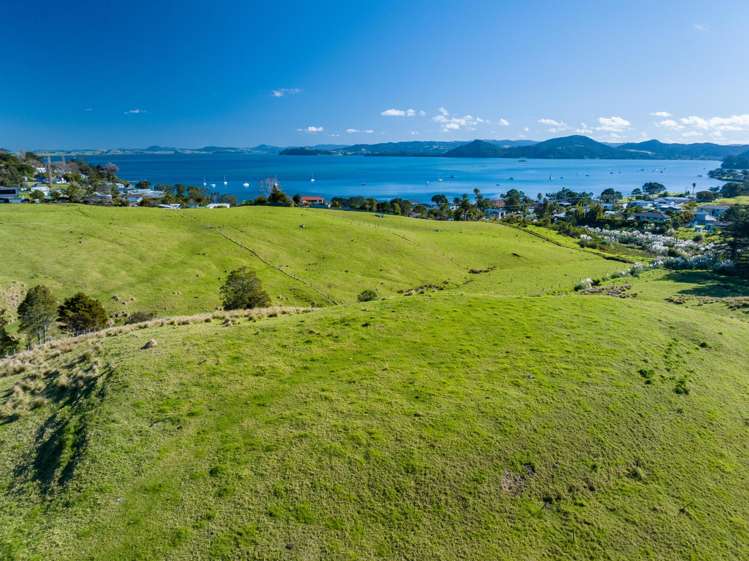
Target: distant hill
{"points": [[412, 148], [304, 151], [697, 151], [739, 161], [477, 149], [570, 147]]}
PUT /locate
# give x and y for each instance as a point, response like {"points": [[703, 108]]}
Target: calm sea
{"points": [[413, 178]]}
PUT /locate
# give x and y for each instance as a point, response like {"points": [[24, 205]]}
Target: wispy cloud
{"points": [[450, 122], [554, 125], [392, 112], [281, 92], [88, 109], [503, 122], [700, 27], [360, 131], [311, 129], [584, 129], [135, 111], [662, 114], [613, 124], [694, 126]]}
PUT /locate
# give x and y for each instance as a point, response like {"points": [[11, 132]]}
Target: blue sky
{"points": [[189, 73]]}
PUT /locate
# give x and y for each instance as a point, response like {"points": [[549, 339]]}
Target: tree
{"points": [[735, 236], [81, 313], [653, 188], [278, 197], [610, 195], [8, 343], [243, 290], [297, 199], [143, 184], [705, 196], [36, 195], [439, 199], [37, 313]]}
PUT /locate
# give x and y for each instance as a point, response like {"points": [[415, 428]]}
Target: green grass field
{"points": [[173, 262], [502, 418]]}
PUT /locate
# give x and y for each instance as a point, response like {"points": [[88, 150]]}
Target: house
{"points": [[640, 204], [146, 193], [651, 217], [496, 213], [317, 202], [99, 199], [218, 205], [10, 195], [714, 210], [706, 221]]}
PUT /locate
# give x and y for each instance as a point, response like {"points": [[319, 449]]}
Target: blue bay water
{"points": [[413, 178]]}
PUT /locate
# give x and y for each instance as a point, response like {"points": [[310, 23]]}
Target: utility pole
{"points": [[49, 171]]}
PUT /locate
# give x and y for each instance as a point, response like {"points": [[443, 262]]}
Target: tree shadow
{"points": [[709, 284], [60, 442]]}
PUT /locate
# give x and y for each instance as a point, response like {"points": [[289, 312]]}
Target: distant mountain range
{"points": [[567, 147]]}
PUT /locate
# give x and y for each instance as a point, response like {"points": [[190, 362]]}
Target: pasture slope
{"points": [[501, 416]]}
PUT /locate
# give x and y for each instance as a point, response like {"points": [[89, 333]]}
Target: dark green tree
{"points": [[36, 313], [81, 313], [8, 343], [243, 290], [653, 188]]}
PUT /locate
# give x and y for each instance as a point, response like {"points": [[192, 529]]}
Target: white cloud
{"points": [[699, 27], [281, 92], [526, 129], [360, 131], [669, 124], [662, 114], [414, 133], [402, 113], [456, 122], [311, 129], [584, 129], [88, 109], [613, 124], [554, 125], [135, 111], [695, 121], [694, 126], [503, 122]]}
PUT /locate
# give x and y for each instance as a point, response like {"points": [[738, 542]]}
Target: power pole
{"points": [[49, 171]]}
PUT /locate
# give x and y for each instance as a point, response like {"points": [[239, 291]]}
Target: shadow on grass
{"points": [[61, 441], [709, 284]]}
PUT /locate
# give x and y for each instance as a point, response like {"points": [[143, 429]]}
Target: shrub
{"points": [[243, 290], [8, 343], [80, 313], [367, 295], [139, 317], [584, 284]]}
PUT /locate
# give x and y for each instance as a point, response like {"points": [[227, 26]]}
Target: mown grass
{"points": [[440, 426], [173, 262]]}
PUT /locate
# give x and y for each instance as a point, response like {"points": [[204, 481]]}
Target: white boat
{"points": [[245, 184], [225, 182]]}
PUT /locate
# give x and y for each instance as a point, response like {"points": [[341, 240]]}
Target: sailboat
{"points": [[245, 184], [312, 179], [225, 182]]}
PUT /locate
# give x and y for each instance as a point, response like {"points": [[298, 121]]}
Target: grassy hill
{"points": [[503, 416], [441, 426], [173, 262]]}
